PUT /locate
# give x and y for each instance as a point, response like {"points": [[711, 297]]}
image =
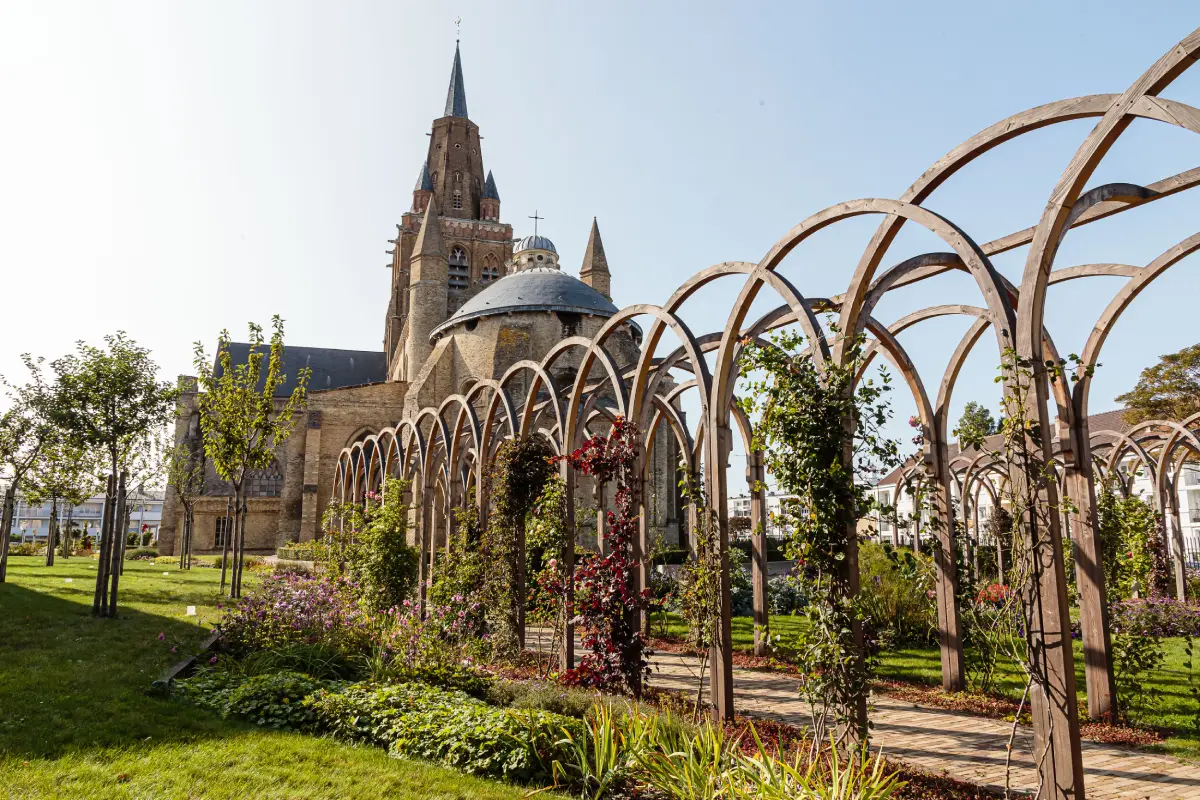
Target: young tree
{"points": [[241, 424], [975, 425], [109, 398], [23, 432], [64, 472], [1169, 389], [185, 476]]}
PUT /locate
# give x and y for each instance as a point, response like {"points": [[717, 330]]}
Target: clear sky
{"points": [[174, 168]]}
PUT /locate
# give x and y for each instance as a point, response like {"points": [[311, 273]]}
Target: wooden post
{"points": [[1080, 483], [598, 495], [567, 559], [721, 660], [100, 599], [757, 480], [945, 561], [118, 536], [1053, 699]]}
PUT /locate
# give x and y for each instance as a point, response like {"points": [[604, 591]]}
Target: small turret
{"points": [[489, 201], [594, 271], [423, 190]]}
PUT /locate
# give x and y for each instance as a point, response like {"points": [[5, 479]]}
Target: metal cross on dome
{"points": [[535, 219]]}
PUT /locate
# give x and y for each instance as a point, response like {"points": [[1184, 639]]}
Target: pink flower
{"points": [[212, 660], [173, 649], [162, 636]]}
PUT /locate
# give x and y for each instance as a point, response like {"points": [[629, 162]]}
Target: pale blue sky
{"points": [[175, 168]]}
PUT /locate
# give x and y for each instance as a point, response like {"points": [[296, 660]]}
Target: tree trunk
{"points": [[191, 533], [239, 527], [124, 538], [100, 600], [52, 532], [183, 538], [225, 545], [118, 548], [6, 518]]}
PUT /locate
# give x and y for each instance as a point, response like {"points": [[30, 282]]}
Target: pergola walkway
{"points": [[958, 745]]}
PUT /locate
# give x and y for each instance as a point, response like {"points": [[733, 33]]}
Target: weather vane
{"points": [[457, 28], [535, 219]]}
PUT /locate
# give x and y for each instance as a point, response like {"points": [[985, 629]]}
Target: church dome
{"points": [[532, 289], [535, 243]]}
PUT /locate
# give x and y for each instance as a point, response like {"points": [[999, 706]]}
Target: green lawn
{"points": [[1170, 706], [75, 720]]}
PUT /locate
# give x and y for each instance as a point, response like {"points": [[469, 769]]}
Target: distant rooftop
{"points": [[331, 368]]}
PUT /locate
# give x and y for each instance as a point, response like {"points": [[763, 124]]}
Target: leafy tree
{"points": [[1169, 389], [64, 472], [23, 433], [241, 423], [184, 465], [110, 399], [975, 425]]}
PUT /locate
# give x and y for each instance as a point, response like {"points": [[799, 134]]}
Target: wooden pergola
{"points": [[445, 451]]}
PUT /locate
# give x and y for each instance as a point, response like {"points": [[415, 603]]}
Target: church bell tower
{"points": [[477, 246]]}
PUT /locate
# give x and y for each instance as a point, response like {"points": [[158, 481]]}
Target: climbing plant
{"points": [[607, 607], [807, 422], [518, 476]]}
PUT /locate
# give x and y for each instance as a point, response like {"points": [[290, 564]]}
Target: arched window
{"points": [[460, 267], [265, 482], [456, 199], [491, 269]]}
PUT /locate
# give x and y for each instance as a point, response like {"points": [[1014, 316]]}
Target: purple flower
{"points": [[162, 636]]}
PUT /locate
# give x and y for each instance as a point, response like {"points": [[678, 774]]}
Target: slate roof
{"points": [[424, 181], [533, 289], [331, 368], [1106, 421], [489, 188], [456, 95]]}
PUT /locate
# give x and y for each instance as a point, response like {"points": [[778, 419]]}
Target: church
{"points": [[467, 301]]}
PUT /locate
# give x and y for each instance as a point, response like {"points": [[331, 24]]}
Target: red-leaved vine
{"points": [[606, 606]]}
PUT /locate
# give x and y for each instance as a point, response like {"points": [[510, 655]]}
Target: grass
{"points": [[1168, 704], [75, 719]]}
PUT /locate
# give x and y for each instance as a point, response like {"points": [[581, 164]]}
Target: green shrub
{"points": [[447, 726], [26, 549], [895, 595], [142, 554], [273, 700]]}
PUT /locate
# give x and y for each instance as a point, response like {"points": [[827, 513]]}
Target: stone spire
{"points": [[594, 271], [429, 240], [428, 292], [489, 188], [489, 200], [423, 190], [424, 182], [456, 96]]}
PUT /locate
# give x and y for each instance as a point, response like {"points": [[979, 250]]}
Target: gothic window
{"points": [[491, 271], [458, 177], [265, 482], [222, 532], [460, 266], [456, 201]]}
